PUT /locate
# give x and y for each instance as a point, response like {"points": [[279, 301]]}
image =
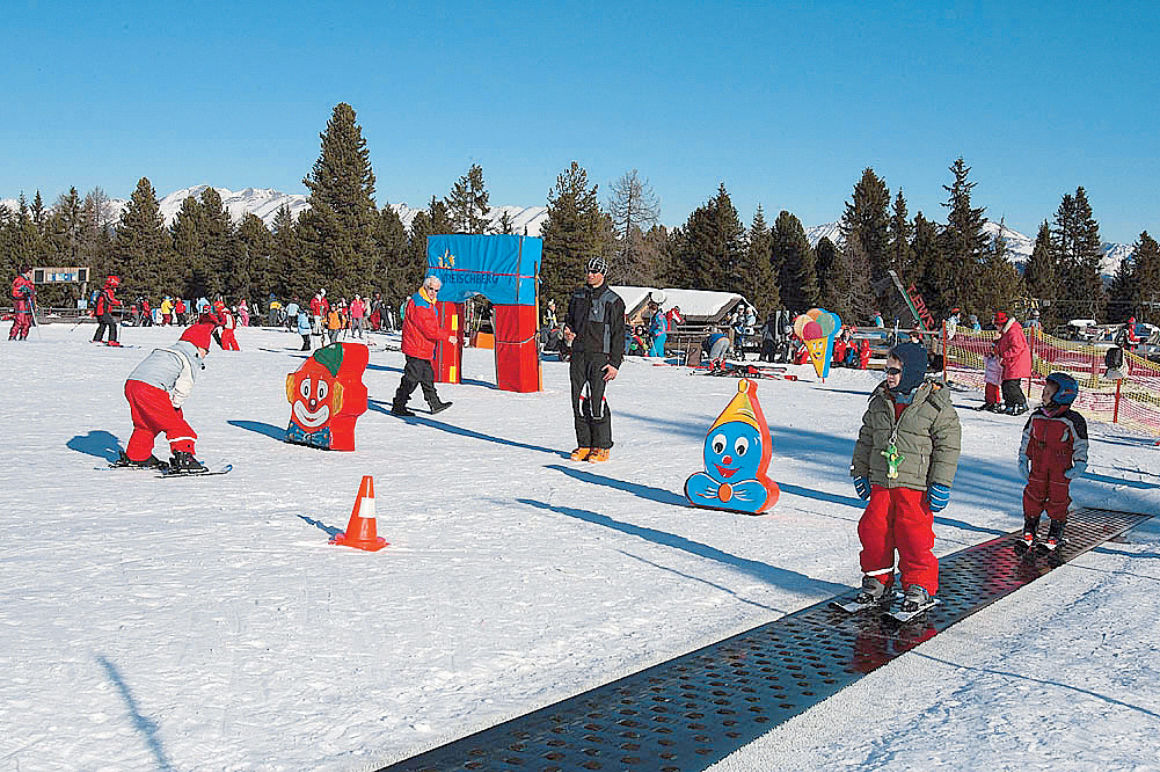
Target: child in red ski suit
{"points": [[156, 390], [992, 382], [904, 465], [229, 323], [1053, 453]]}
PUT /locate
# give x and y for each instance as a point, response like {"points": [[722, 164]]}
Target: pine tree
{"points": [[1041, 277], [1076, 249], [964, 245], [441, 223], [142, 251], [900, 233], [764, 290], [938, 273], [829, 268], [1146, 273], [999, 282], [867, 216], [415, 267], [391, 267], [284, 253], [1122, 292], [211, 269], [797, 277], [251, 273], [507, 226], [342, 188], [575, 231], [851, 296], [467, 204]]}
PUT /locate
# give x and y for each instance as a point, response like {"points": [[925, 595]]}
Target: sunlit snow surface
{"points": [[151, 624]]}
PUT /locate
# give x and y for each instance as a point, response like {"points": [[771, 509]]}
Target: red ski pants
{"points": [[153, 414], [21, 324], [899, 519], [229, 342], [1047, 491]]}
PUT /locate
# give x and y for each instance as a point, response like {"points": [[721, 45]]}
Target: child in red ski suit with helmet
{"points": [[1053, 453], [156, 390], [903, 466]]}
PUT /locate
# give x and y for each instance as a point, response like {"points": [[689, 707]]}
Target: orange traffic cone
{"points": [[361, 531]]}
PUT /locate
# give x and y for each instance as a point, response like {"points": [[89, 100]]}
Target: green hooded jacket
{"points": [[927, 435]]}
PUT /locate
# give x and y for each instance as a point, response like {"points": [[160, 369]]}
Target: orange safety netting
{"points": [[1135, 404]]}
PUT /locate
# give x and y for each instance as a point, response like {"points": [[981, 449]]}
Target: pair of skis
{"points": [[854, 607], [168, 471]]}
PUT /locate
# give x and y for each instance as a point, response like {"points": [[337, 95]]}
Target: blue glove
{"points": [[1025, 468], [938, 496], [862, 485], [1077, 470]]}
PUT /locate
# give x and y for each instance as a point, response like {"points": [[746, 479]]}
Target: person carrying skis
{"points": [[904, 465], [594, 328], [106, 302], [1054, 452], [23, 302], [156, 390]]}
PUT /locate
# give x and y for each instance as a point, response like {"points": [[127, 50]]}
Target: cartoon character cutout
{"points": [[327, 396], [736, 453]]}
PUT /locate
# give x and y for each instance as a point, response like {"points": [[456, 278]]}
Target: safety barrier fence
{"points": [[1133, 402]]}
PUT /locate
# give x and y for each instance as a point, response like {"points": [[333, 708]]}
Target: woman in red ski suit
{"points": [[229, 323]]}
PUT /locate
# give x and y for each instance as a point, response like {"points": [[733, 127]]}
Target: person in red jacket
{"points": [[1053, 453], [228, 324], [1015, 355], [23, 298], [420, 334], [319, 310], [106, 302]]}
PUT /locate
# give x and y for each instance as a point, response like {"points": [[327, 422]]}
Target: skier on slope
{"points": [[23, 301], [1053, 453], [106, 302], [156, 390], [228, 322], [904, 465]]}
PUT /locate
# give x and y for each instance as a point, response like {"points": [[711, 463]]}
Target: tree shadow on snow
{"points": [[386, 368], [422, 420], [100, 444], [1116, 481], [659, 495], [148, 728], [274, 432], [780, 577]]}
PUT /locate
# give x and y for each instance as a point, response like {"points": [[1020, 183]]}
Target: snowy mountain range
{"points": [[1019, 247], [265, 203]]}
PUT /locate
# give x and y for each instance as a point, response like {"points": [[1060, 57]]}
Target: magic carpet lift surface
{"points": [[692, 711]]}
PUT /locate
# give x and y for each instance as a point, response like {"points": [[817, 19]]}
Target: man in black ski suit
{"points": [[594, 326]]}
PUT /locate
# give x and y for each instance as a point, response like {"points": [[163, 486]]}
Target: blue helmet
{"points": [[1066, 389]]}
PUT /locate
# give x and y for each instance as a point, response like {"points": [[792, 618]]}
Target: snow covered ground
{"points": [[206, 624]]}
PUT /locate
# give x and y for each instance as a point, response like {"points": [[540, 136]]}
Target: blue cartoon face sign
{"points": [[736, 453], [733, 452]]}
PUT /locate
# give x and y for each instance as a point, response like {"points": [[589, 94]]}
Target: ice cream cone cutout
{"points": [[361, 531]]}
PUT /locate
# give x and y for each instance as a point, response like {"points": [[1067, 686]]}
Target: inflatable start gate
{"points": [[505, 270]]}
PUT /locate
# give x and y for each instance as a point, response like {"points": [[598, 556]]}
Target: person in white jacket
{"points": [[156, 390]]}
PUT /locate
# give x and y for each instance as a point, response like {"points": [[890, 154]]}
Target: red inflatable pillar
{"points": [[517, 359], [449, 356]]}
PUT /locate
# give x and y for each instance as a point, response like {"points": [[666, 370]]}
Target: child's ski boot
{"points": [[1028, 540], [915, 601], [1054, 538], [183, 462]]}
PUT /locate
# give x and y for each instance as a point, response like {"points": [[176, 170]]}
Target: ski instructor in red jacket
{"points": [[1016, 358], [420, 334]]}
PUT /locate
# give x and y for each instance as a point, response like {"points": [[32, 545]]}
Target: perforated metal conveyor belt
{"points": [[692, 711]]}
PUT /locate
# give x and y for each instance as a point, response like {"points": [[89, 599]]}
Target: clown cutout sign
{"points": [[327, 396], [736, 454]]}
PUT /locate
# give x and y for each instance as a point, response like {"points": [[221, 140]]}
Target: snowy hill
{"points": [[206, 624]]}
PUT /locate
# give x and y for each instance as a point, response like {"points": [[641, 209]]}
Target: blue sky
{"points": [[786, 103]]}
